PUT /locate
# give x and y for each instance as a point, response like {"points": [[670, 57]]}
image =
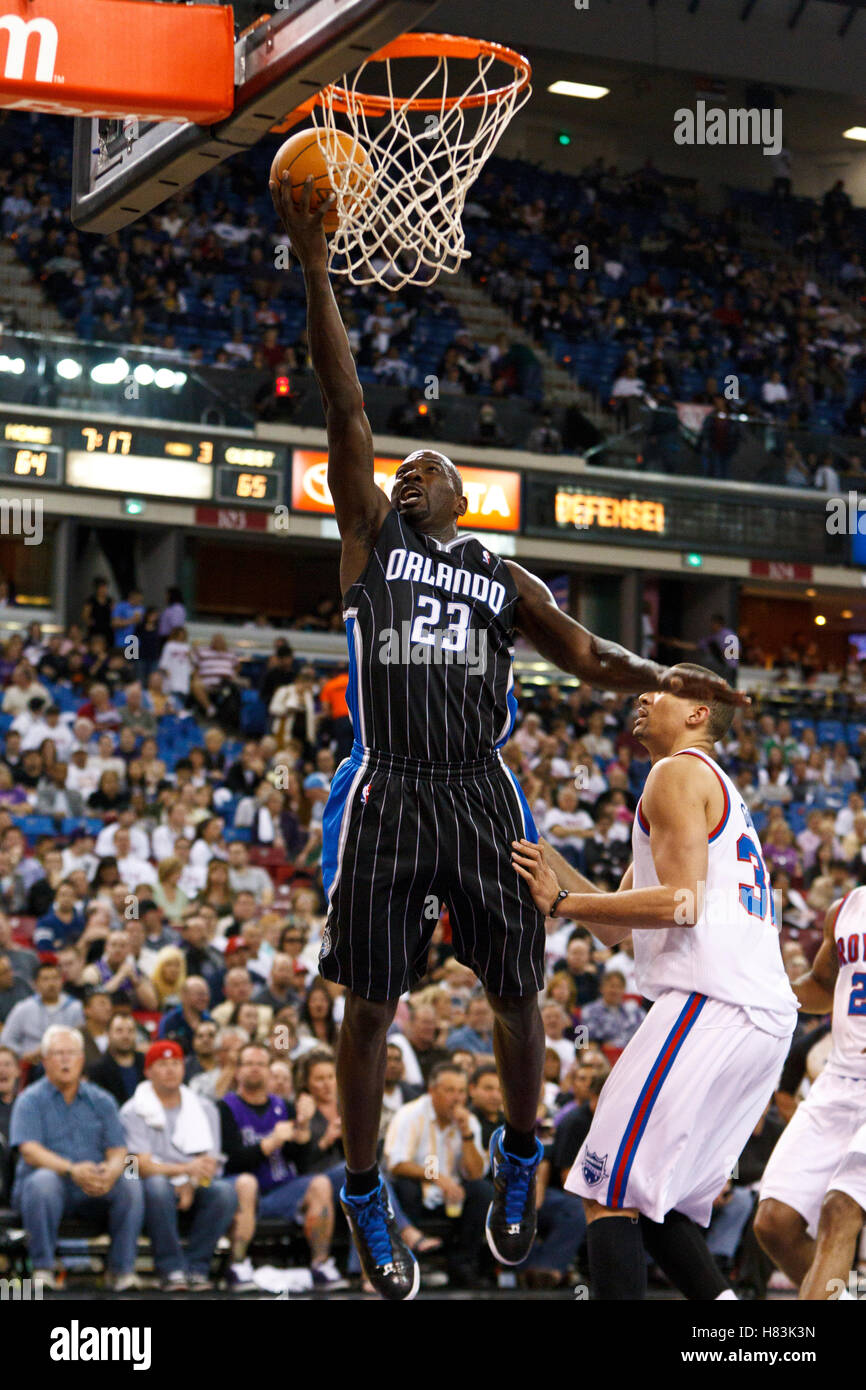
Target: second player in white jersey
{"points": [[848, 1053], [827, 1128]]}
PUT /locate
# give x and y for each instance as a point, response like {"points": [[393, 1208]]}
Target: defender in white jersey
{"points": [[822, 1152], [688, 1090]]}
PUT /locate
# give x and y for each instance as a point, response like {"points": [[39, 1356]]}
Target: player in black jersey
{"points": [[424, 811]]}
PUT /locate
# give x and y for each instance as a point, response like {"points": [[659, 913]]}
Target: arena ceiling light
{"points": [[165, 379], [110, 373], [15, 365], [69, 369], [854, 132], [578, 89]]}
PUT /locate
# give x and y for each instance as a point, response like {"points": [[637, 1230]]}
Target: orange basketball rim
{"points": [[349, 100]]}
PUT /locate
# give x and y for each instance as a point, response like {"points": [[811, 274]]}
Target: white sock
{"points": [[727, 1293]]}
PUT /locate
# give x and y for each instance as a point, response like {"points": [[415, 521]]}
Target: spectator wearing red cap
{"points": [[175, 1136]]}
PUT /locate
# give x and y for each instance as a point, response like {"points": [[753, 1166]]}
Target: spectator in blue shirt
{"points": [[26, 1025], [63, 925], [71, 1156], [612, 1020], [476, 1035], [125, 616], [180, 1023]]}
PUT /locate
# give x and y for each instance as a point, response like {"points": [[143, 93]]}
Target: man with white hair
{"points": [[82, 732], [134, 715], [100, 709], [71, 1153]]}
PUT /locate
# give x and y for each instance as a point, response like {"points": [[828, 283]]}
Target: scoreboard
{"points": [[173, 464]]}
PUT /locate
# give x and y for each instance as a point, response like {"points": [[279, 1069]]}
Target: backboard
{"points": [[122, 168]]}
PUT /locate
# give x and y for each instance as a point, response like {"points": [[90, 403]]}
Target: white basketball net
{"points": [[400, 216]]}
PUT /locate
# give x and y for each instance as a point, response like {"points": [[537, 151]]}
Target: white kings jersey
{"points": [[732, 952], [848, 1053]]}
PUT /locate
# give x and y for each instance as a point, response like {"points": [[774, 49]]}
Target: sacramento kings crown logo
{"points": [[594, 1167]]}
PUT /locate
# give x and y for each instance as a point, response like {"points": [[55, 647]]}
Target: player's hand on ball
{"points": [[690, 685], [528, 859], [305, 225]]}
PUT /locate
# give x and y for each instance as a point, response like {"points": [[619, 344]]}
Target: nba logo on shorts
{"points": [[594, 1167], [365, 793], [485, 555]]}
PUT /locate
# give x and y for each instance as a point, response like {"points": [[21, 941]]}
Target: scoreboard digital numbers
{"points": [[176, 465], [29, 454]]}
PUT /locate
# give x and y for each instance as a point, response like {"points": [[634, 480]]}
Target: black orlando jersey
{"points": [[430, 632]]}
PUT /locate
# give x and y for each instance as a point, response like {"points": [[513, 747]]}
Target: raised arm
{"points": [[814, 990], [359, 504], [605, 665]]}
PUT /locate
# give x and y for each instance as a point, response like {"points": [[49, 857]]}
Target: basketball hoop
{"points": [[425, 150]]}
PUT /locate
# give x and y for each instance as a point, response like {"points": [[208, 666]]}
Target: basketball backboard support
{"points": [[124, 168]]}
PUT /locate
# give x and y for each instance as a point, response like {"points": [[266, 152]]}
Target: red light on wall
{"points": [[283, 386], [422, 409]]}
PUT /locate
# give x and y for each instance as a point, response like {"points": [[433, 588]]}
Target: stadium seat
{"points": [[34, 826], [254, 714], [830, 730]]}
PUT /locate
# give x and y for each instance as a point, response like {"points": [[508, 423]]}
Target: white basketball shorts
{"points": [[804, 1163], [676, 1111], [850, 1175]]}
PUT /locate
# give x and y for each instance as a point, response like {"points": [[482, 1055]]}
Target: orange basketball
{"points": [[303, 154]]}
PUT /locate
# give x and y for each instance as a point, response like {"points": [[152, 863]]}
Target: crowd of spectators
{"points": [[160, 886], [668, 305], [647, 300]]}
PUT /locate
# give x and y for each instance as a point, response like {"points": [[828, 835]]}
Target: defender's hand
{"points": [[690, 685], [304, 225], [528, 859]]}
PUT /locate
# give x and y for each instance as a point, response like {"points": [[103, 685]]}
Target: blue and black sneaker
{"points": [[511, 1214], [386, 1260]]}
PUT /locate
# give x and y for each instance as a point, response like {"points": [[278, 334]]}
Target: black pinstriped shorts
{"points": [[401, 839]]}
